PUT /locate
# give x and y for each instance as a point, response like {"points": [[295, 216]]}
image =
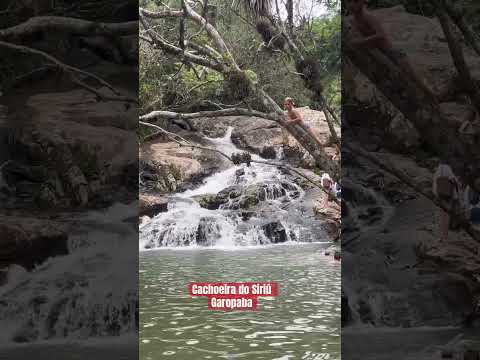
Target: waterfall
{"points": [[90, 292], [257, 205]]}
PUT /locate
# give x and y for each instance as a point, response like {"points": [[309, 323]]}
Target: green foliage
{"points": [[170, 85]]}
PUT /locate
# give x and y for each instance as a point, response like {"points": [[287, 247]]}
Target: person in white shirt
{"points": [[445, 188], [331, 187]]}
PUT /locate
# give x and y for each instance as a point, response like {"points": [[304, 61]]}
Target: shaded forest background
{"points": [[166, 83]]}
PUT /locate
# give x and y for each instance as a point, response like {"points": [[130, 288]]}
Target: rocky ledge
{"points": [[30, 241]]}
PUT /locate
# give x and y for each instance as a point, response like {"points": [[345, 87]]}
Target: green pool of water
{"points": [[303, 322]]}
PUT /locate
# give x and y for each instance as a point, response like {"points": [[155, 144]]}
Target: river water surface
{"points": [[303, 322]]}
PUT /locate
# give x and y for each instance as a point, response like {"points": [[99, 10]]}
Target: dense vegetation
{"points": [[167, 83]]}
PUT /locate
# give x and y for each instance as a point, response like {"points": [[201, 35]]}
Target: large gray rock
{"points": [[166, 167]]}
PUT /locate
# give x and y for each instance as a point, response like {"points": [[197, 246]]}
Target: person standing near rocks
{"points": [[294, 117], [331, 187], [374, 36], [445, 188]]}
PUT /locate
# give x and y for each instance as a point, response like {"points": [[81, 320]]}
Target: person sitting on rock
{"points": [[374, 36], [445, 188], [294, 117]]}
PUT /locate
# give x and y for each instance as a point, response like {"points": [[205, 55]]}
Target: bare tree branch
{"points": [[156, 39], [160, 14], [66, 25], [207, 114], [73, 71]]}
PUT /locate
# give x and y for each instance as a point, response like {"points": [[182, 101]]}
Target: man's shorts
{"points": [[306, 125]]}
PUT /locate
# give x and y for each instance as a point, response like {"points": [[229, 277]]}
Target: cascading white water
{"points": [[233, 223], [90, 292]]}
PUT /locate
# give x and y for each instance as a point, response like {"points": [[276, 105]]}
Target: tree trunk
{"points": [[456, 51]]}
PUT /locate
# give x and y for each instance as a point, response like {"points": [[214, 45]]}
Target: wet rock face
{"points": [[151, 205], [207, 232], [210, 201], [275, 232], [159, 177], [268, 152], [237, 197], [165, 167], [67, 150], [29, 242]]}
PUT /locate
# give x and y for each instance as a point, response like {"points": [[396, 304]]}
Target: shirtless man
{"points": [[374, 36], [294, 117]]}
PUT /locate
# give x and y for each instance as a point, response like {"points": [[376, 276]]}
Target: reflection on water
{"points": [[302, 322]]}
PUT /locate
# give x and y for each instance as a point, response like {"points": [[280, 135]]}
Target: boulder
{"points": [[207, 232], [29, 242], [240, 172], [268, 152], [150, 205], [275, 232], [210, 201], [167, 167]]}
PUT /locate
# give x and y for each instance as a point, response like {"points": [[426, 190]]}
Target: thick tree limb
{"points": [[466, 30], [458, 58], [213, 34], [412, 101], [161, 14], [206, 114], [66, 25]]}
